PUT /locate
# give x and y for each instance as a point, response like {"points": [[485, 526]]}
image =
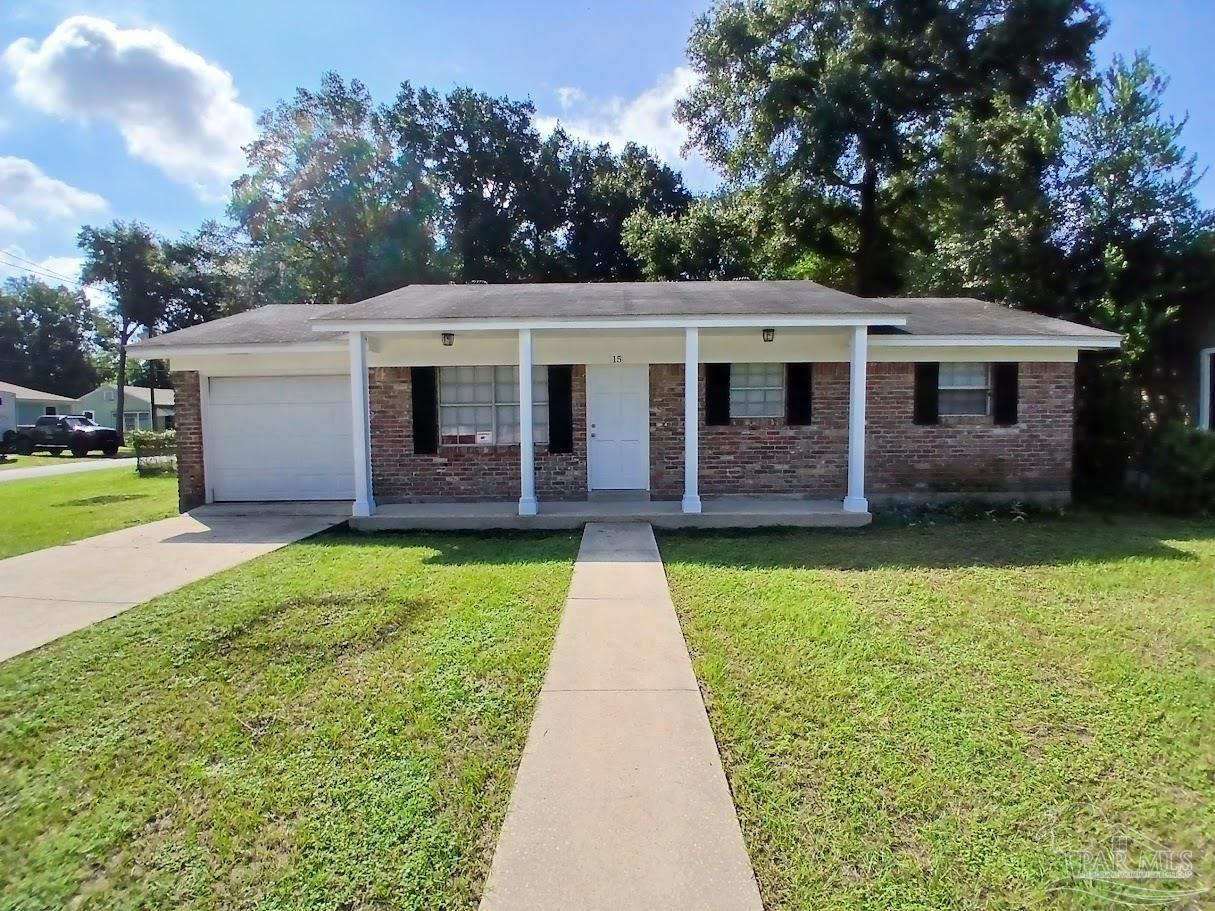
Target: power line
{"points": [[46, 269], [39, 272]]}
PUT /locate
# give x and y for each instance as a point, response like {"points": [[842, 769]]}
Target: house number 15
{"points": [[617, 359]]}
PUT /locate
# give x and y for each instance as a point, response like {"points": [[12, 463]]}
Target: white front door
{"points": [[618, 427]]}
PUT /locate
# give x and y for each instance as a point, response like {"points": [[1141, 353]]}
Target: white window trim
{"points": [[540, 438], [91, 415], [779, 387], [1204, 388], [985, 388]]}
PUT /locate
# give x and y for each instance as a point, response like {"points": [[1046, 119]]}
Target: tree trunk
{"points": [[119, 410], [869, 278]]}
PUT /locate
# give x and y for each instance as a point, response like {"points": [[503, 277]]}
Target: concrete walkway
{"points": [[50, 593], [74, 466], [620, 801]]}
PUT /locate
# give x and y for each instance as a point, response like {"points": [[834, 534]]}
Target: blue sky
{"points": [[93, 125]]}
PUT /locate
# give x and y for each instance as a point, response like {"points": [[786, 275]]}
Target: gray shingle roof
{"points": [[273, 324], [968, 316], [576, 300], [24, 392], [285, 324]]}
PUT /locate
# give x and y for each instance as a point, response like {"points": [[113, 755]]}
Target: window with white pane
{"points": [[757, 390], [965, 389], [479, 406]]}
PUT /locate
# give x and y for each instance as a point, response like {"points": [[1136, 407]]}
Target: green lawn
{"points": [[42, 512], [335, 726], [43, 459], [933, 717]]}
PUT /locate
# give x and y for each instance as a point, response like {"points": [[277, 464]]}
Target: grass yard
{"points": [[42, 459], [933, 717], [335, 725], [42, 512]]}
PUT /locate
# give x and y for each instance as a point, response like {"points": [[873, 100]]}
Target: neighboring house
{"points": [[567, 398], [1195, 346], [29, 405], [102, 406]]}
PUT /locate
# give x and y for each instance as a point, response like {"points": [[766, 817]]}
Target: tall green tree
{"points": [[482, 154], [1138, 248], [46, 337], [336, 207], [153, 285], [846, 99]]}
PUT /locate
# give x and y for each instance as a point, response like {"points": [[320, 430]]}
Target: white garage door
{"points": [[279, 438]]}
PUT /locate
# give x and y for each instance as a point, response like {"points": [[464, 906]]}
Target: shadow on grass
{"points": [[957, 545], [104, 499], [949, 544], [464, 548]]}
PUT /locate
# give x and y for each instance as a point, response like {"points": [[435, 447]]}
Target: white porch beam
{"points": [[1205, 387], [360, 416], [527, 445], [691, 420], [855, 500]]}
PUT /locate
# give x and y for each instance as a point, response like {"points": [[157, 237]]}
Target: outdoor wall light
{"points": [[769, 335], [449, 339]]}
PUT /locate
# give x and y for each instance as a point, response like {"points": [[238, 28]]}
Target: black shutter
{"points": [[425, 410], [561, 409], [927, 408], [1004, 394], [799, 394], [717, 394]]}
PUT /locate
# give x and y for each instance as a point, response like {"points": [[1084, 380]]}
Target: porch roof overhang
{"points": [[827, 320]]}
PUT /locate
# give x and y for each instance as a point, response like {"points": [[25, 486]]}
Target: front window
{"points": [[109, 395], [51, 410], [134, 420], [757, 390], [479, 406], [965, 389]]}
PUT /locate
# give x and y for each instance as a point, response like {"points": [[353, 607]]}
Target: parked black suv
{"points": [[55, 433]]}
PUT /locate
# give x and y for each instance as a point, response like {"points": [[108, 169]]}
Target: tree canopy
{"points": [[848, 100]]}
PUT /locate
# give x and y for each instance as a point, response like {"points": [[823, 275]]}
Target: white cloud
{"points": [[173, 108], [647, 119], [568, 96], [15, 262], [30, 198], [50, 269]]}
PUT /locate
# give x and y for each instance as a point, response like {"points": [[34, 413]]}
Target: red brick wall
{"points": [[970, 454], [752, 455], [461, 472], [959, 455], [191, 482]]}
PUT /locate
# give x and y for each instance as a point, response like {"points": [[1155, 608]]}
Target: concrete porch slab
{"points": [[724, 512]]}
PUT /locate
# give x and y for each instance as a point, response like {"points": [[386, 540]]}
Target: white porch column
{"points": [[691, 420], [360, 416], [527, 444], [855, 500]]}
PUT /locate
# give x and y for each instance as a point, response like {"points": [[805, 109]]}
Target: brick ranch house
{"points": [[716, 403]]}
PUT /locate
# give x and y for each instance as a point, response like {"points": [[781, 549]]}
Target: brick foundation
{"points": [[959, 455], [191, 482], [461, 472]]}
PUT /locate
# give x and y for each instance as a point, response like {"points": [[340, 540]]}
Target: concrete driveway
{"points": [[50, 593], [73, 467]]}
